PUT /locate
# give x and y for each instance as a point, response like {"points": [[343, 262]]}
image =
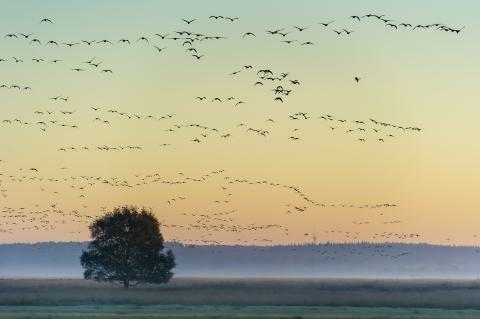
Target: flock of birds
{"points": [[49, 119], [391, 23], [224, 217], [210, 223]]}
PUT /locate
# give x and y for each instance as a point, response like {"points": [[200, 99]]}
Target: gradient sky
{"points": [[426, 79]]}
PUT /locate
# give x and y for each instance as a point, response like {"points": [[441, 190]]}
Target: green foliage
{"points": [[127, 247]]}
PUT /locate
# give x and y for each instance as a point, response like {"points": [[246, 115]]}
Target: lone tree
{"points": [[127, 248]]}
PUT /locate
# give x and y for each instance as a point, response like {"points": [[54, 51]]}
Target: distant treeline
{"points": [[364, 259]]}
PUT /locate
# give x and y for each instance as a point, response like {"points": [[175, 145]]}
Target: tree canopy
{"points": [[127, 247]]}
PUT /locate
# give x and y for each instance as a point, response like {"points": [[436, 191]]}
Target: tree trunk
{"points": [[126, 283]]}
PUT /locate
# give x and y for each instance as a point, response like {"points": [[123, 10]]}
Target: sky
{"points": [[305, 177]]}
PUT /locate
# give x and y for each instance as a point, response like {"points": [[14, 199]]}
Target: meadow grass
{"points": [[220, 312], [247, 292]]}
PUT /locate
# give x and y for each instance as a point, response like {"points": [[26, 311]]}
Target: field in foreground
{"points": [[445, 294], [220, 312]]}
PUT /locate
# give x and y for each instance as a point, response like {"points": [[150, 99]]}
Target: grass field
{"points": [[247, 292], [220, 312], [242, 298]]}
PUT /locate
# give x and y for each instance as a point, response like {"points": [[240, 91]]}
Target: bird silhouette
{"points": [[88, 42], [327, 23], [159, 49], [300, 28], [188, 21], [143, 39]]}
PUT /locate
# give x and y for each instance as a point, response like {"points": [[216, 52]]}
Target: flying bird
{"points": [[188, 21], [159, 49], [26, 36], [326, 24], [35, 41], [300, 28], [143, 39], [88, 42]]}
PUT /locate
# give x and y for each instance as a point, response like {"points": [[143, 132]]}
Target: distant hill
{"points": [[61, 259]]}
